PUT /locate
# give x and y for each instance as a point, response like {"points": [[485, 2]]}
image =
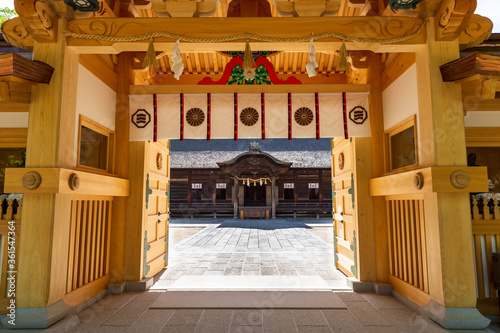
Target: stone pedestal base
{"points": [[455, 318], [142, 285], [37, 317]]}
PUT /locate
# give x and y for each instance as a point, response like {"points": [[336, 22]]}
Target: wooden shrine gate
{"points": [[343, 206], [157, 164]]}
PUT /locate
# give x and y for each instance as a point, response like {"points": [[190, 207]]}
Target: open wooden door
{"points": [[343, 206], [157, 207]]}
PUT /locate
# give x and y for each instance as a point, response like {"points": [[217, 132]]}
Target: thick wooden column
{"points": [[273, 193], [381, 251], [125, 78], [235, 197], [43, 256], [447, 215], [371, 227]]}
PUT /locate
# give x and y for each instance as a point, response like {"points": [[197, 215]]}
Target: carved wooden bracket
{"points": [[15, 33], [364, 6], [452, 17], [184, 8], [307, 7], [39, 19], [478, 30]]}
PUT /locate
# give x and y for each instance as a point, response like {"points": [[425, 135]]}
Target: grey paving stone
{"points": [[383, 329], [313, 329], [251, 267], [197, 271], [246, 329], [127, 314], [216, 267], [367, 314], [383, 301], [233, 271], [410, 321], [215, 321], [278, 321], [109, 329], [212, 273], [146, 296], [247, 318], [185, 317], [178, 329], [309, 318], [269, 271], [342, 321], [151, 321], [350, 296]]}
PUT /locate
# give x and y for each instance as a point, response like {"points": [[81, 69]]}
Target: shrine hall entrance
{"points": [[211, 245], [255, 196]]}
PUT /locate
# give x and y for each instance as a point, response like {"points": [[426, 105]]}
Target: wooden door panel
{"points": [[158, 206], [343, 205]]}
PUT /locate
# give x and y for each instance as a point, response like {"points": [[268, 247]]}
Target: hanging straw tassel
{"points": [[247, 58], [342, 66], [150, 58]]}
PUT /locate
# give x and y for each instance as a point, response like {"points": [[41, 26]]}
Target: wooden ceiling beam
{"points": [[371, 27], [276, 88]]}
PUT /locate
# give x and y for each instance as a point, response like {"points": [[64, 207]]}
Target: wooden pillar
{"points": [[235, 197], [447, 215], [43, 256], [320, 190], [125, 78], [273, 193], [296, 186], [190, 186]]}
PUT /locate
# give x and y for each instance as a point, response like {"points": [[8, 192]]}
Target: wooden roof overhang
{"points": [[17, 75], [254, 163], [479, 77]]}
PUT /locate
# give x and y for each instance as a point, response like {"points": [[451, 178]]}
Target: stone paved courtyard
{"points": [[255, 254]]}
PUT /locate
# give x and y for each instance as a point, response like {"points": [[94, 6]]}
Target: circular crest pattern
{"points": [[249, 116], [195, 117], [304, 116]]}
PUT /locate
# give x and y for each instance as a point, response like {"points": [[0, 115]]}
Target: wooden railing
{"points": [[407, 248], [10, 211], [486, 238], [89, 246]]}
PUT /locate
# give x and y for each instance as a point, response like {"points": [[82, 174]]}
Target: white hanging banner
{"points": [[303, 116], [331, 121], [358, 114], [169, 116], [222, 126], [141, 117], [195, 116], [276, 115], [249, 116]]}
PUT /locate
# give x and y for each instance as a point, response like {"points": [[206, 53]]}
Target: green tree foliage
{"points": [[6, 13], [10, 158]]}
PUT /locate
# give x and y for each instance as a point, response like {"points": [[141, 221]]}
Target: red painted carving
{"points": [[239, 61]]}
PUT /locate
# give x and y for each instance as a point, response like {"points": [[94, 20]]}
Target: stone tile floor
{"points": [[364, 312], [255, 249]]}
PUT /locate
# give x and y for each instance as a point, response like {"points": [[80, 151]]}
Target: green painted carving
{"points": [[165, 257], [148, 191], [354, 268], [351, 190], [145, 269], [259, 75]]}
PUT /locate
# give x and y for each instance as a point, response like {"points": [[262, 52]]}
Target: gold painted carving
{"points": [[16, 34], [452, 18], [341, 161], [39, 18], [159, 161], [478, 30]]}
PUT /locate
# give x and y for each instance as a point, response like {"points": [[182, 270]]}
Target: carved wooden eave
{"points": [[452, 18], [374, 28], [477, 30], [254, 163], [479, 76], [17, 76], [15, 33]]}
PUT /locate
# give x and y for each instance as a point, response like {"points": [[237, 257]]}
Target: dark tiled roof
{"points": [[209, 158]]}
